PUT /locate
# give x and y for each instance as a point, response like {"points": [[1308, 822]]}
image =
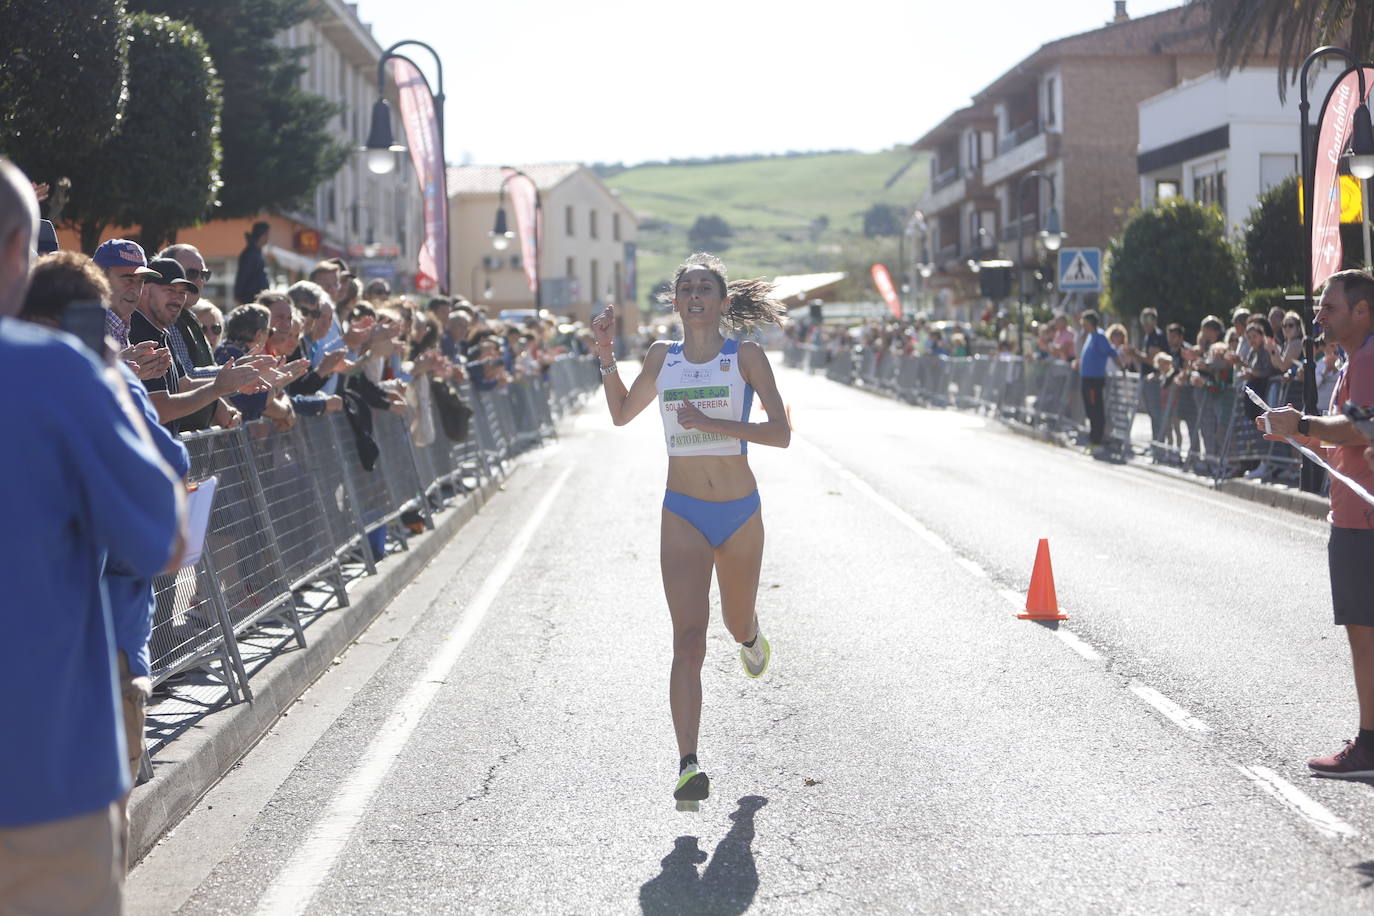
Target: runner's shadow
{"points": [[727, 885]]}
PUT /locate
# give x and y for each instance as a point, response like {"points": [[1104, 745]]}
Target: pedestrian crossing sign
{"points": [[1080, 270]]}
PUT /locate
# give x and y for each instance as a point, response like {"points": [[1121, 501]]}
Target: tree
{"points": [[161, 170], [709, 233], [63, 83], [1240, 28], [277, 146], [1175, 257], [883, 220], [1271, 248]]}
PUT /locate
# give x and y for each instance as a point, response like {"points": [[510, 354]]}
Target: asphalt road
{"points": [[499, 741]]}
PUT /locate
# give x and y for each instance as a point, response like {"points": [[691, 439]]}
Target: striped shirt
{"points": [[183, 354]]}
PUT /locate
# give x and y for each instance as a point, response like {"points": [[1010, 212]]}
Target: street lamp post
{"points": [[486, 290], [1361, 160], [381, 146], [1052, 236], [501, 233]]}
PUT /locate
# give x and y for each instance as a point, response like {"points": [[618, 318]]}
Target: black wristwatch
{"points": [[1303, 426]]}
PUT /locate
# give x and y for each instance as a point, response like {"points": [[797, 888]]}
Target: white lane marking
{"points": [[887, 505], [972, 566], [1321, 818], [296, 884], [1168, 708], [1077, 644], [1015, 598]]}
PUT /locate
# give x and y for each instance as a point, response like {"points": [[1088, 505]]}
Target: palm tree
{"points": [[1242, 28]]}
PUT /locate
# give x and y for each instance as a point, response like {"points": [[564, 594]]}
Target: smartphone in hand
{"points": [[86, 322]]}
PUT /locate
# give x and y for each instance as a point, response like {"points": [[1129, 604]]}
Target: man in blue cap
{"points": [[126, 268]]}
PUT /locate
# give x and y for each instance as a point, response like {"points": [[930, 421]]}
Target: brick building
{"points": [[1068, 110]]}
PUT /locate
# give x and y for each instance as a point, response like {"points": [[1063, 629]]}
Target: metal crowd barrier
{"points": [[293, 506], [1210, 432]]}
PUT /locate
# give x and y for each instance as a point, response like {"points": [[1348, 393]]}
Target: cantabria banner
{"points": [[421, 125], [1332, 140], [883, 280], [528, 222]]}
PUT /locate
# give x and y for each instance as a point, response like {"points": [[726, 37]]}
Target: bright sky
{"points": [[631, 80]]}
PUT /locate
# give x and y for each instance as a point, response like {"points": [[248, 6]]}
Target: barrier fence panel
{"points": [[1121, 400], [295, 505]]}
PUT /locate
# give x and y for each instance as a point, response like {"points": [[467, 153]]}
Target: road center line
{"points": [[296, 884], [1168, 708], [1325, 822]]}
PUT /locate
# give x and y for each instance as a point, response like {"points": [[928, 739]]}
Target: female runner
{"points": [[705, 386]]}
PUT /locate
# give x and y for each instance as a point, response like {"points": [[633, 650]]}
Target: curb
{"points": [[1288, 499], [189, 766]]}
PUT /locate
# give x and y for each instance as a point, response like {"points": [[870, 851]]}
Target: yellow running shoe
{"points": [[692, 785], [755, 658]]}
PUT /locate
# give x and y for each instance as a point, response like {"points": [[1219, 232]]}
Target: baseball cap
{"points": [[124, 253], [171, 273]]}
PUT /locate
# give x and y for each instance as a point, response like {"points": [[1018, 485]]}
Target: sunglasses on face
{"points": [[309, 313], [215, 328], [198, 276]]}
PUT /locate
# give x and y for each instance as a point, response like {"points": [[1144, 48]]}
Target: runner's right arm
{"points": [[626, 403]]}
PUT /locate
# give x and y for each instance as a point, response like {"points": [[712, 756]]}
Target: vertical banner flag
{"points": [[421, 125], [529, 220], [1332, 140], [883, 281]]}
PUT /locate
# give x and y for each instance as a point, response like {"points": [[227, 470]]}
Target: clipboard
{"points": [[200, 499]]}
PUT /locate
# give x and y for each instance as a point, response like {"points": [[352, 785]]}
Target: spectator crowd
{"points": [[97, 461]]}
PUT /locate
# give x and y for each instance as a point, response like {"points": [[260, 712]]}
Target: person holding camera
{"points": [[711, 517], [1346, 315], [83, 473]]}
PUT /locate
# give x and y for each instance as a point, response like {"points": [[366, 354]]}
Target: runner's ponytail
{"points": [[751, 301]]}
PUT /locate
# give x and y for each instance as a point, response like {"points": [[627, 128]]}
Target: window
{"points": [[618, 289], [1050, 119], [568, 223], [571, 271], [1166, 190], [973, 149], [1209, 185], [615, 227], [1275, 167], [331, 212], [591, 223], [595, 291]]}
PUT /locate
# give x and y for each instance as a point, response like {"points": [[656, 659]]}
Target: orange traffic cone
{"points": [[1041, 603]]}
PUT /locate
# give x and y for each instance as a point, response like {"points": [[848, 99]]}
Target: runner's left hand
{"points": [[690, 416]]}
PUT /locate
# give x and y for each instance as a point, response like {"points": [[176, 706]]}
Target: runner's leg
{"points": [[738, 562], [685, 558]]}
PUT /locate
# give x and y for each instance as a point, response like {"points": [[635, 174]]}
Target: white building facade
{"points": [[1222, 140]]}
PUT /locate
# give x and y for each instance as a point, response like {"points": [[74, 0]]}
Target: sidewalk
{"points": [[195, 735]]}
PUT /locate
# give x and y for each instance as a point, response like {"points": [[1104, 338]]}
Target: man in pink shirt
{"points": [[1346, 315]]}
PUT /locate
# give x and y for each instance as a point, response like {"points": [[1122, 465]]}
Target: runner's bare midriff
{"points": [[714, 478]]}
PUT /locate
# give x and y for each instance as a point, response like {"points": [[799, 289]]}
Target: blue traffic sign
{"points": [[1080, 270]]}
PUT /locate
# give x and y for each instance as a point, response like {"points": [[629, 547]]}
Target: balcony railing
{"points": [[1030, 223], [945, 179], [1018, 136]]}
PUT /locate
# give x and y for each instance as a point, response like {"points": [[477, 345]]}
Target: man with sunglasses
{"points": [[188, 338]]}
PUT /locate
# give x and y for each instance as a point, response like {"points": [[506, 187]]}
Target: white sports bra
{"points": [[716, 387]]}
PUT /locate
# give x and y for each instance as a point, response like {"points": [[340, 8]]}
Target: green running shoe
{"points": [[692, 785], [755, 659]]}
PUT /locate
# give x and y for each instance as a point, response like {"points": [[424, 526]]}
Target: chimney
{"points": [[1121, 14]]}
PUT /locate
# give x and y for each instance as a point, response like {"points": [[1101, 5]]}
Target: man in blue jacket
{"points": [[81, 471], [1092, 369]]}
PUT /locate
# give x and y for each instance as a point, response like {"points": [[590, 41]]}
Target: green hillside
{"points": [[789, 215]]}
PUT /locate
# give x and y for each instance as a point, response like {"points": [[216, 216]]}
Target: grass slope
{"points": [[770, 204]]}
